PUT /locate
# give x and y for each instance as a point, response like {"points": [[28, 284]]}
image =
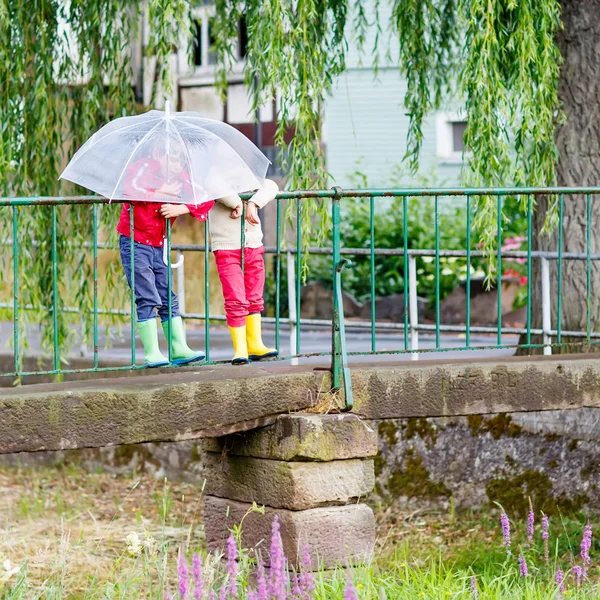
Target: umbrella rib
{"points": [[75, 159], [129, 159], [228, 144], [189, 159]]}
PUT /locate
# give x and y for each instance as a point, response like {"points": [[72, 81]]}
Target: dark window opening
{"points": [[459, 128], [243, 38], [198, 43]]}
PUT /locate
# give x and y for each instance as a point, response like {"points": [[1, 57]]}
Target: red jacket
{"points": [[150, 227]]}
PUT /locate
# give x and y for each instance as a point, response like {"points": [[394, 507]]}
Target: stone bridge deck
{"points": [[214, 401]]}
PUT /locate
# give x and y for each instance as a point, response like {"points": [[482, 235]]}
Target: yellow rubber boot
{"points": [[240, 347], [256, 349]]}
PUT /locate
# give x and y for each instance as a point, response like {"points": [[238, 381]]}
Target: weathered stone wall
{"points": [[551, 457]]}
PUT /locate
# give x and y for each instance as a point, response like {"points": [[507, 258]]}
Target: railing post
{"points": [[546, 307], [181, 282], [413, 307], [179, 265], [339, 356], [293, 317], [336, 371]]}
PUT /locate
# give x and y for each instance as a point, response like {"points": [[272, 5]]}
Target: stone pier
{"points": [[312, 470]]}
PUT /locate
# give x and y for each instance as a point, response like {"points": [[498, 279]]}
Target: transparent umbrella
{"points": [[167, 157]]}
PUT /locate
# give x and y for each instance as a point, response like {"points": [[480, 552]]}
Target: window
{"points": [[459, 128], [204, 39], [450, 137]]}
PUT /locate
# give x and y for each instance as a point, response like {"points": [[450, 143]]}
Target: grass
{"points": [[64, 529]]}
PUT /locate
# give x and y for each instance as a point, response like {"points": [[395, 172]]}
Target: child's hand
{"points": [[252, 213], [170, 189], [170, 211], [236, 213]]}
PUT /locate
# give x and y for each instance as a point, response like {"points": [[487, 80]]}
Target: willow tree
{"points": [[530, 121]]}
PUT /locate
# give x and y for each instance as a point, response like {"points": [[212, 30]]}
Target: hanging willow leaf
{"points": [[497, 56]]}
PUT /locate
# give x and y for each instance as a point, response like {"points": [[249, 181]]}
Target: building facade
{"points": [[365, 124]]}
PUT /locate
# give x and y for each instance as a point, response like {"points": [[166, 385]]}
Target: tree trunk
{"points": [[578, 143]]}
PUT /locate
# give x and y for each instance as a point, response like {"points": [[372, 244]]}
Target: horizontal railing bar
{"points": [[378, 251], [332, 193], [380, 325]]}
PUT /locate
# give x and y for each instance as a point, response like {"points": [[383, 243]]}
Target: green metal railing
{"points": [[409, 331]]}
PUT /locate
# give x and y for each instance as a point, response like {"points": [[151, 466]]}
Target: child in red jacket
{"points": [[148, 178]]}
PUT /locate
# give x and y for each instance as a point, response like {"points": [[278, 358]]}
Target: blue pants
{"points": [[151, 280]]}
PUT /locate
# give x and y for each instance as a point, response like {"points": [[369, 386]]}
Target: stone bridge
{"points": [[275, 434]]}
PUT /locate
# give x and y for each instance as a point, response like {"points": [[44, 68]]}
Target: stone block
{"points": [[303, 437], [292, 485], [336, 535]]}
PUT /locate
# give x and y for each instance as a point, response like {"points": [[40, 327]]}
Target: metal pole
{"points": [[181, 283], [291, 283], [546, 307], [413, 306]]}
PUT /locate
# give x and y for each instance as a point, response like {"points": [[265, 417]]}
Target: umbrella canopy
{"points": [[167, 157]]}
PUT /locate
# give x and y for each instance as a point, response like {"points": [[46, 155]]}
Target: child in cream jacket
{"points": [[242, 291]]}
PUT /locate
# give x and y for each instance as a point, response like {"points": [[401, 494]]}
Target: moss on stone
{"points": [[195, 455], [379, 464], [475, 423], [498, 426], [388, 431], [125, 455], [414, 480], [590, 471], [424, 429], [572, 445], [514, 494]]}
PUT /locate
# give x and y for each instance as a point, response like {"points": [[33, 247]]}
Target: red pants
{"points": [[243, 292]]}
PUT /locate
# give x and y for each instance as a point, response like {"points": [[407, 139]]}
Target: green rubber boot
{"points": [[182, 354], [148, 332]]}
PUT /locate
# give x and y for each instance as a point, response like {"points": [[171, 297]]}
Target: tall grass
{"points": [[534, 559]]}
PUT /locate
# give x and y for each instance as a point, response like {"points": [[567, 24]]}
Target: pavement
{"points": [[115, 345]]}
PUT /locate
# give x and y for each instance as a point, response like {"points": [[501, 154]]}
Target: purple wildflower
{"points": [[183, 572], [306, 580], [296, 593], [212, 595], [560, 579], [523, 566], [232, 590], [261, 583], [223, 590], [168, 596], [198, 576], [586, 544], [350, 591], [545, 537], [252, 595], [530, 525], [278, 575], [474, 591], [505, 524], [578, 573]]}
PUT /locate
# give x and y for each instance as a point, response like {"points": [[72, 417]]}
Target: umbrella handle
{"points": [[176, 265]]}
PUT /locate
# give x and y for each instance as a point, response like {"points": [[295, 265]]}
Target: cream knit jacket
{"points": [[225, 232]]}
